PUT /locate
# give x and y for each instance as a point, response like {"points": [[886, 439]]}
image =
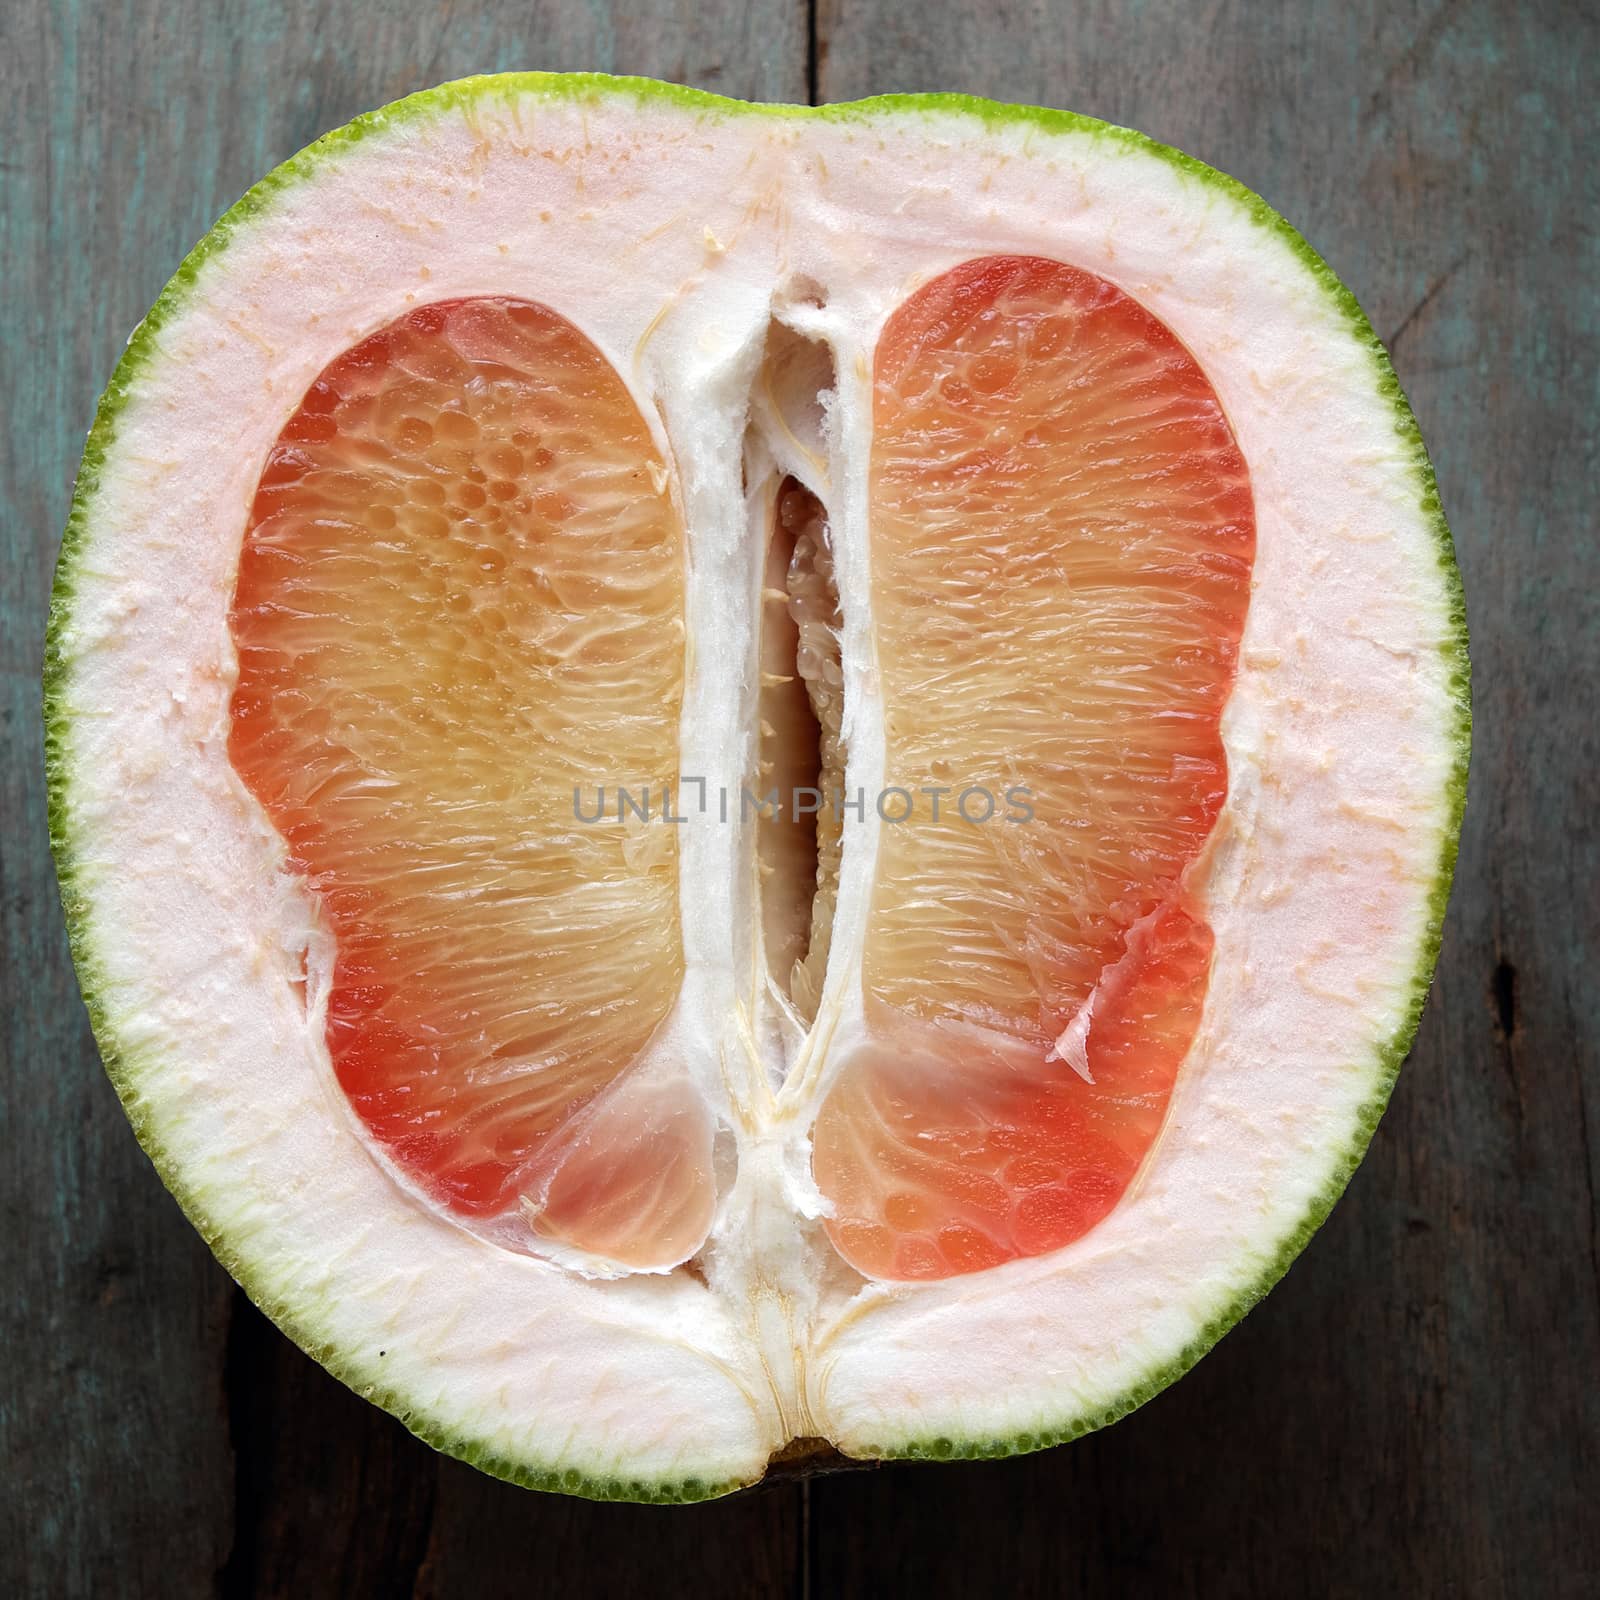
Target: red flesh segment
{"points": [[1062, 540], [460, 598]]}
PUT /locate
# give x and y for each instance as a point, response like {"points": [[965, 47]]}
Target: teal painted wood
{"points": [[1413, 1410]]}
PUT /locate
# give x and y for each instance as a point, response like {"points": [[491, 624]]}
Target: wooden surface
{"points": [[1415, 1409]]}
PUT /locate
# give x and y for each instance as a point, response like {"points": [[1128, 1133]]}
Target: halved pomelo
{"points": [[729, 774]]}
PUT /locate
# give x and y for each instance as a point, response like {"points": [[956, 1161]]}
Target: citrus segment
{"points": [[459, 610], [1062, 535], [628, 1178]]}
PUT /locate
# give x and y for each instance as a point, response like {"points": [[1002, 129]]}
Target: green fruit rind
{"points": [[120, 1055]]}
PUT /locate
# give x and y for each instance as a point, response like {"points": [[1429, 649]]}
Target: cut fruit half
{"points": [[682, 833]]}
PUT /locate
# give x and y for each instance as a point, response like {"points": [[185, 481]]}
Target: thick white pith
{"points": [[674, 238]]}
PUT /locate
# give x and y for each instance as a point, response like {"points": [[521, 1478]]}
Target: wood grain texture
{"points": [[1414, 1410]]}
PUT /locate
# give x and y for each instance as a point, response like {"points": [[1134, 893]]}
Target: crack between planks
{"points": [[1503, 1001], [805, 1540], [241, 1363], [1588, 1181], [813, 55]]}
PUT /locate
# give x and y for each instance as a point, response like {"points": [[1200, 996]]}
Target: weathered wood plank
{"points": [[1412, 1412], [159, 1436]]}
